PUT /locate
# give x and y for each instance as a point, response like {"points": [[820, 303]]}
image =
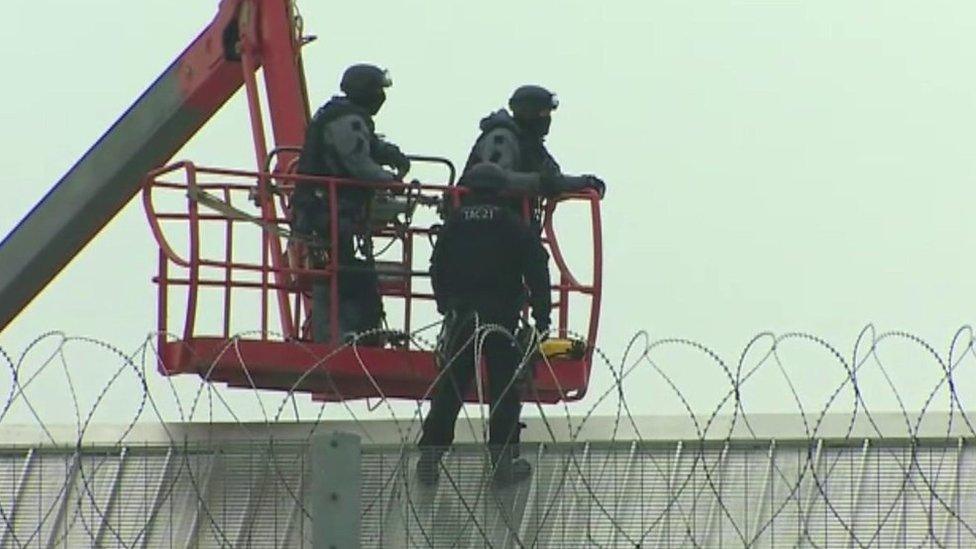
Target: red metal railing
{"points": [[223, 197]]}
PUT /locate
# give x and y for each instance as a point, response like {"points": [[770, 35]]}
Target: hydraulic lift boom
{"points": [[244, 35]]}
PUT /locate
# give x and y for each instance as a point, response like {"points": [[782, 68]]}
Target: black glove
{"points": [[399, 161], [402, 164], [392, 156], [577, 183], [595, 183]]}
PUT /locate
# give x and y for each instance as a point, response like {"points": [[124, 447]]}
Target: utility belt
{"points": [[449, 340], [312, 218]]}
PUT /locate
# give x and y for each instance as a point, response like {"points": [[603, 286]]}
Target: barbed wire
{"points": [[81, 507]]}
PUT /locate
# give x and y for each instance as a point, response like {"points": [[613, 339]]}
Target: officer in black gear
{"points": [[515, 143], [484, 259], [341, 141]]}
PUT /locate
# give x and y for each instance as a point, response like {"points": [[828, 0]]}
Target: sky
{"points": [[771, 167]]}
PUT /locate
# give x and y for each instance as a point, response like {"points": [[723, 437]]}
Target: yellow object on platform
{"points": [[562, 348]]}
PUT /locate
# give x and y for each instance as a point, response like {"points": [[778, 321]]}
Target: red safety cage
{"points": [[234, 287]]}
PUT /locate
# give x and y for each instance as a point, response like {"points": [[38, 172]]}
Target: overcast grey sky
{"points": [[771, 165]]}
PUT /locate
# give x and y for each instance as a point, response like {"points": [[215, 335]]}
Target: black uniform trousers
{"points": [[502, 358], [358, 299]]}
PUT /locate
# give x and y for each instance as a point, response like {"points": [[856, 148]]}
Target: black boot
{"points": [[507, 470], [512, 472]]}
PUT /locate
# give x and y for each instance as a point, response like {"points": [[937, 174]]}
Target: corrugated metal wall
{"points": [[153, 496], [852, 493]]}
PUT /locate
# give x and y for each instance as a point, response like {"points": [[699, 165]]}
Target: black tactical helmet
{"points": [[363, 79], [530, 100]]}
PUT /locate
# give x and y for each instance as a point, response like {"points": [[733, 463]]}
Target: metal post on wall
{"points": [[335, 463]]}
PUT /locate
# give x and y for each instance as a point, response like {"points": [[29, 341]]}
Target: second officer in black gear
{"points": [[341, 141], [515, 143], [484, 259]]}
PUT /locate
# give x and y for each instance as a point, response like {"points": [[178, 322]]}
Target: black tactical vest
{"points": [[320, 158], [533, 158], [317, 157]]}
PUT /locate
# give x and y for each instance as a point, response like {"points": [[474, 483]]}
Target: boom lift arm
{"points": [[244, 35]]}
